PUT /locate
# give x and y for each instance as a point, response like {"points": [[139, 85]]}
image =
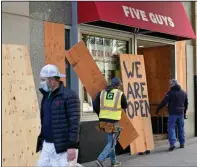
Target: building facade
{"points": [[23, 24]]}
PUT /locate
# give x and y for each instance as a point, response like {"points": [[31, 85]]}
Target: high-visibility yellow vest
{"points": [[110, 104]]}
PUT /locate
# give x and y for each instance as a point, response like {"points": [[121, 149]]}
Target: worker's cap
{"points": [[116, 82], [50, 70], [173, 82]]}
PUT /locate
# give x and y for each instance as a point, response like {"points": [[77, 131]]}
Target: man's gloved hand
{"points": [[185, 116]]}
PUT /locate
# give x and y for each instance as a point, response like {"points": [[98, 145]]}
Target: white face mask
{"points": [[44, 86]]}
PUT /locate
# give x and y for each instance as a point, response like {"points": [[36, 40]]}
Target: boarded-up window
{"points": [[181, 68]]}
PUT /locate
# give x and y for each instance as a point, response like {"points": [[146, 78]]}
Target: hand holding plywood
{"points": [[135, 87], [20, 110], [94, 82]]}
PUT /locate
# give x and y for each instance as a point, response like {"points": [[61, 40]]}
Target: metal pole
{"points": [[157, 124], [162, 121]]}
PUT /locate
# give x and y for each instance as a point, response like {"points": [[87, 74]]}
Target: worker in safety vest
{"points": [[108, 105]]}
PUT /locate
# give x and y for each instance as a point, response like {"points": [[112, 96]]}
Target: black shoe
{"points": [[171, 148], [147, 151], [182, 146], [140, 153], [99, 163], [116, 164]]}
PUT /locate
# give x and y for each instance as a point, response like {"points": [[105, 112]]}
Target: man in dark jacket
{"points": [[177, 102], [108, 105], [60, 120]]}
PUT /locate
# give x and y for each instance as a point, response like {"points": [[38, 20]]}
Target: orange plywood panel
{"points": [[135, 88], [54, 45], [20, 110], [93, 80], [86, 69], [181, 61], [158, 71], [128, 133]]}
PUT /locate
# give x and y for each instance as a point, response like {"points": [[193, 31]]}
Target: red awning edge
{"points": [[163, 17]]}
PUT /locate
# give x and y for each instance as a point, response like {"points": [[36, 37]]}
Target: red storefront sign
{"points": [[164, 17]]}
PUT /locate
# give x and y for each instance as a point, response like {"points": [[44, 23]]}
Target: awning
{"points": [[164, 18]]}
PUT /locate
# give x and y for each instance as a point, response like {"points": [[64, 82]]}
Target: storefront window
{"points": [[105, 52]]}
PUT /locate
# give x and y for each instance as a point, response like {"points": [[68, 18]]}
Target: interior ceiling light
{"points": [[140, 46]]}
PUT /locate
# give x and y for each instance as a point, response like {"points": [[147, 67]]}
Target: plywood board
{"points": [[87, 70], [54, 46], [20, 110], [181, 61], [158, 71], [93, 80], [128, 134], [135, 88]]}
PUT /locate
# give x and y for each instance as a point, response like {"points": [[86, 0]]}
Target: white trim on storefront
{"points": [[155, 39], [67, 27], [107, 32]]}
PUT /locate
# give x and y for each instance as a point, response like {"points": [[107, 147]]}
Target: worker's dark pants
{"points": [[172, 121]]}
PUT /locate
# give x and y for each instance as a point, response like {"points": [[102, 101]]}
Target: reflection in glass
{"points": [[105, 52]]}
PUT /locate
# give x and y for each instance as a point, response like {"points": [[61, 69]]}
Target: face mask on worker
{"points": [[48, 85], [44, 86]]}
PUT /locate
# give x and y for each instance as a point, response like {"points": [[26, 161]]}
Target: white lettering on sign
{"points": [[134, 13], [152, 18], [126, 11], [171, 22], [141, 15]]}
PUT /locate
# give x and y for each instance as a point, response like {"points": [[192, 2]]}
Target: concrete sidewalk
{"points": [[160, 157]]}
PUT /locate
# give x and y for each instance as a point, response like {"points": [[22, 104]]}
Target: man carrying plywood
{"points": [[60, 120], [108, 105]]}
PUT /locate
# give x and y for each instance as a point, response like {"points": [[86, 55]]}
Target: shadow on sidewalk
{"points": [[127, 157], [159, 150]]}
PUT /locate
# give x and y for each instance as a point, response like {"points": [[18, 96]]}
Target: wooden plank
{"points": [[86, 69], [54, 46], [181, 67], [158, 71], [93, 80], [135, 87], [128, 129], [20, 110]]}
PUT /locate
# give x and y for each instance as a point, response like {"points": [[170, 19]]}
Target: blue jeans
{"points": [[109, 150], [172, 121]]}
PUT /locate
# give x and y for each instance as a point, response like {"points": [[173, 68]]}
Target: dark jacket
{"points": [[177, 101], [65, 115], [96, 104]]}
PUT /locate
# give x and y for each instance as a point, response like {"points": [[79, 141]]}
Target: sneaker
{"points": [[171, 148], [116, 164], [99, 163], [182, 146]]}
